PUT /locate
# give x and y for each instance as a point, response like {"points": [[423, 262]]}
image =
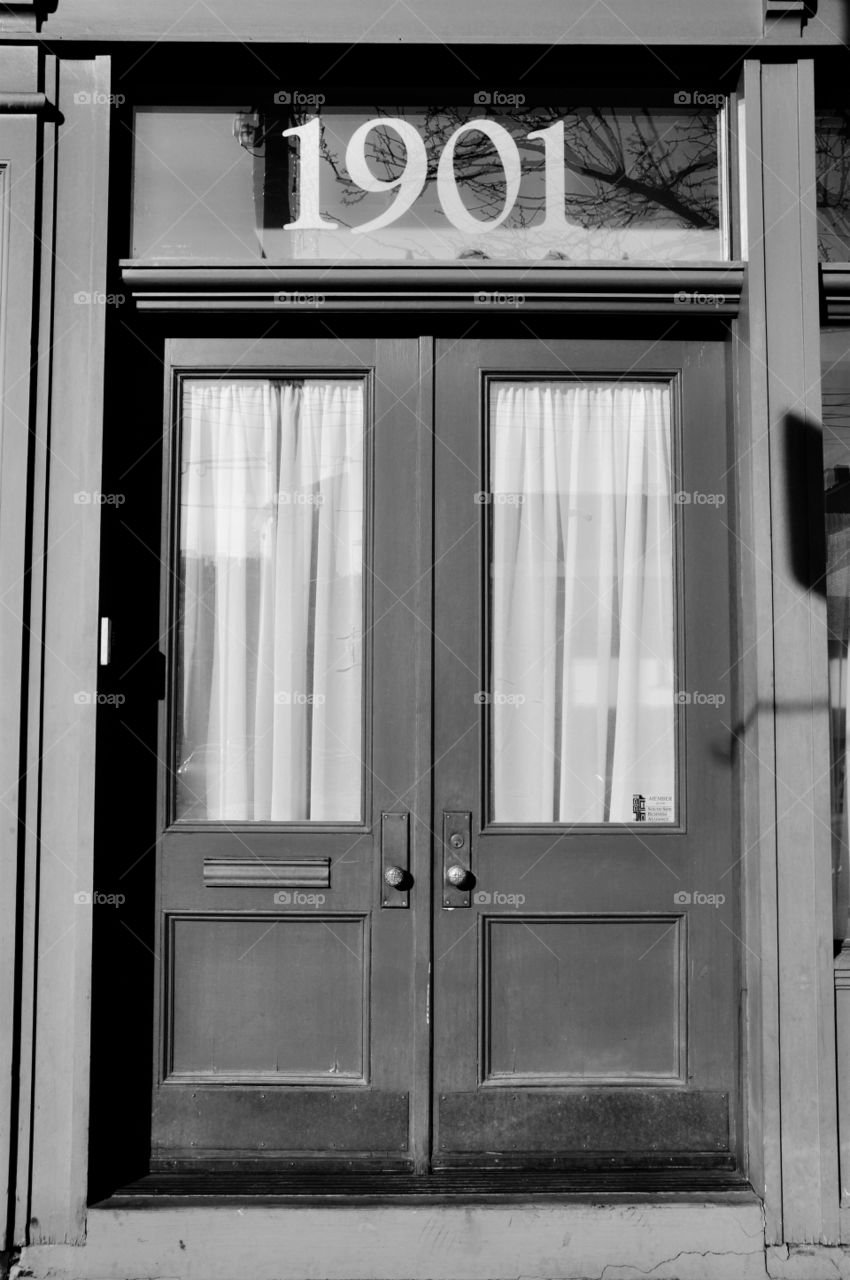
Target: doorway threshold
{"points": [[445, 1186]]}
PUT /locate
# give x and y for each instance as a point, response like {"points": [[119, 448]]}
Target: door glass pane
{"points": [[194, 192], [582, 696], [269, 718]]}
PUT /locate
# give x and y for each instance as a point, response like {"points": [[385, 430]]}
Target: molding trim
{"points": [[20, 16], [795, 8], [685, 291]]}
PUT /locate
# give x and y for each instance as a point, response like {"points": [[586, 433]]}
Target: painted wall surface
{"points": [[541, 22]]}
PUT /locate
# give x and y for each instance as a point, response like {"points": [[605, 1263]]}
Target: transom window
{"points": [[494, 177]]}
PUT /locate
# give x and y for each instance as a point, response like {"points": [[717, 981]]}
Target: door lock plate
{"points": [[395, 859], [457, 860]]}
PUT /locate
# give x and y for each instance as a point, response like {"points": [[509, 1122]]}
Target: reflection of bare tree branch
{"points": [[832, 157], [629, 166]]}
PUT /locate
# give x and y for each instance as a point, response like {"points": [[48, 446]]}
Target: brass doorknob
{"points": [[457, 876], [395, 877]]}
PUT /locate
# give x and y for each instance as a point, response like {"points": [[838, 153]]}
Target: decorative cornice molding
{"points": [[788, 17], [686, 291], [23, 15]]}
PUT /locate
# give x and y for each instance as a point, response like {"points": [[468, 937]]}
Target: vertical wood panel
{"points": [[755, 680], [421, 797], [67, 660], [33, 690], [18, 171], [803, 854]]}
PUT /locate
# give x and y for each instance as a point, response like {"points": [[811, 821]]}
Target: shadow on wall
{"points": [[811, 531], [801, 523]]}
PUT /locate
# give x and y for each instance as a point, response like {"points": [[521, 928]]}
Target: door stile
{"points": [[167, 618], [421, 798]]}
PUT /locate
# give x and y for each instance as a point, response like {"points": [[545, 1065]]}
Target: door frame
{"points": [[424, 515]]}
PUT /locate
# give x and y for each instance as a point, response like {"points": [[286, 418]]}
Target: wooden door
{"points": [[585, 959], [561, 852], [288, 1025]]}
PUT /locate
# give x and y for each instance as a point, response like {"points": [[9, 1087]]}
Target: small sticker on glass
{"points": [[653, 808]]}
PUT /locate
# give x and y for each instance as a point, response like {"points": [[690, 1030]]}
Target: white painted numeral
{"points": [[453, 207], [309, 218], [555, 187], [409, 182]]}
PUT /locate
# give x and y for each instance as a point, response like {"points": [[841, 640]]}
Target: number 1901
{"points": [[411, 181]]}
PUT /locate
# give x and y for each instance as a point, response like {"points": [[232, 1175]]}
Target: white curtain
{"points": [[582, 623], [271, 534]]}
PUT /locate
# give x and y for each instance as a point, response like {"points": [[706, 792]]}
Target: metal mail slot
{"points": [[274, 873]]}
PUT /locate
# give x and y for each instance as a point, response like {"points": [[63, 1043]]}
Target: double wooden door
{"points": [[446, 851]]}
